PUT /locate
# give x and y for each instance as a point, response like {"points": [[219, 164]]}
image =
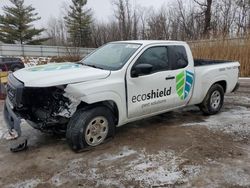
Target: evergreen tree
{"points": [[78, 22], [16, 24]]}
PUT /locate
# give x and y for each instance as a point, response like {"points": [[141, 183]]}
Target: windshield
{"points": [[111, 56]]}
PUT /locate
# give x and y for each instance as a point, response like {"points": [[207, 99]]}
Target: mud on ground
{"points": [[177, 149]]}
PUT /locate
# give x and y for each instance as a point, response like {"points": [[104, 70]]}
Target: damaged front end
{"points": [[47, 109]]}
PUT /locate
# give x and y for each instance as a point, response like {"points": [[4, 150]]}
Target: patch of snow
{"points": [[2, 132], [125, 152], [104, 179], [242, 99], [233, 121], [73, 171], [3, 128], [236, 176], [161, 169], [25, 184], [233, 172], [127, 165]]}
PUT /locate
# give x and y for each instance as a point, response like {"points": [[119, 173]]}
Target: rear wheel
{"points": [[90, 127], [213, 101]]}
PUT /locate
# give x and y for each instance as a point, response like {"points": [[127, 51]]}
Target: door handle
{"points": [[170, 78]]}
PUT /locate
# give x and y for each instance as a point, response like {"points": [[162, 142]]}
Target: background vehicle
{"points": [[119, 83], [10, 64]]}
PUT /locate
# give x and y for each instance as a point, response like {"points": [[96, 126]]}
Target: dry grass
{"points": [[229, 49]]}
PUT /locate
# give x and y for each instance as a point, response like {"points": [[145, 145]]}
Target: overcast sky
{"points": [[102, 9]]}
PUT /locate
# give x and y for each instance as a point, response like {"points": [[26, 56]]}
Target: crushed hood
{"points": [[59, 74]]}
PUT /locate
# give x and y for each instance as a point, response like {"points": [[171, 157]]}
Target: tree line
{"points": [[179, 20]]}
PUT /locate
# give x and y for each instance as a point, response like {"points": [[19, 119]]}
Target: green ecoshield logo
{"points": [[184, 82]]}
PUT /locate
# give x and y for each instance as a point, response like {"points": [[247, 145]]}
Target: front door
{"points": [[168, 85]]}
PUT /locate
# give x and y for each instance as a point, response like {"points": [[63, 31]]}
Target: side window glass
{"points": [[177, 57], [156, 57]]}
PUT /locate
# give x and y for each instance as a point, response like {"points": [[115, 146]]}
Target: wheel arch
{"points": [[110, 104], [223, 84]]}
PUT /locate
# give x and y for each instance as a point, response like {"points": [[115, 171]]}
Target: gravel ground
{"points": [[177, 149]]}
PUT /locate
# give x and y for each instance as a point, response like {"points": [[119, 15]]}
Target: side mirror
{"points": [[141, 69]]}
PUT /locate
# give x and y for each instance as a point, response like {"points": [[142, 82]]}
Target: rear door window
{"points": [[177, 57]]}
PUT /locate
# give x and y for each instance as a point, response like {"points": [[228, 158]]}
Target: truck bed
{"points": [[208, 72], [203, 62]]}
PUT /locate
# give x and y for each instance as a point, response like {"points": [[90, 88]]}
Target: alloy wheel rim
{"points": [[215, 99], [96, 131]]}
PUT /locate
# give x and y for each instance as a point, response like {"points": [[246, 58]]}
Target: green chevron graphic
{"points": [[184, 82], [180, 83]]}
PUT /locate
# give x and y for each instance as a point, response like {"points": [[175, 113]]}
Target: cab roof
{"points": [[148, 42]]}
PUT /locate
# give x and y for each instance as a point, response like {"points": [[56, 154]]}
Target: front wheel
{"points": [[90, 127], [213, 101]]}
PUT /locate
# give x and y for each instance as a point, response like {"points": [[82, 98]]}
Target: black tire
{"points": [[211, 106], [81, 120]]}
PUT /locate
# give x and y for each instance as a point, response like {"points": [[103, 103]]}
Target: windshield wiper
{"points": [[94, 66]]}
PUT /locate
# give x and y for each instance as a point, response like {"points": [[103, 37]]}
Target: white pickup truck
{"points": [[118, 83]]}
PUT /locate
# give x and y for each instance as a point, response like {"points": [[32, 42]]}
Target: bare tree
{"points": [[56, 32], [206, 8], [102, 33], [158, 28], [186, 21], [228, 11], [243, 11], [122, 14], [135, 34], [142, 23], [179, 20]]}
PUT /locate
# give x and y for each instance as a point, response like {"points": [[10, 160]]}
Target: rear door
{"points": [[167, 86]]}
